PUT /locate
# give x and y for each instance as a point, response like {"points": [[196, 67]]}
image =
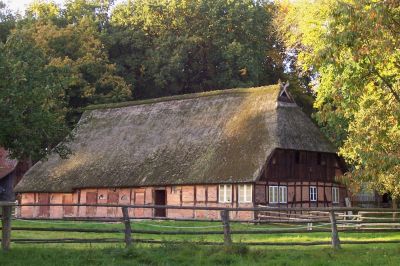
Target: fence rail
{"points": [[334, 220]]}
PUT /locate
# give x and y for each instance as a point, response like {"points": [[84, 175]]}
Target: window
{"points": [[273, 194], [277, 194], [313, 194], [245, 193], [225, 193], [282, 194], [335, 195]]}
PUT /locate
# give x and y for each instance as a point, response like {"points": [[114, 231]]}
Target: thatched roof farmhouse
{"points": [[216, 137]]}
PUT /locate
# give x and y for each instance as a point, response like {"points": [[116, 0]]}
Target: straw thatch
{"points": [[215, 137], [7, 165]]}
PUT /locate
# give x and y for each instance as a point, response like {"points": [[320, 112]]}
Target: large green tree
{"points": [[71, 38], [7, 21], [32, 100], [53, 64], [352, 49], [171, 47]]}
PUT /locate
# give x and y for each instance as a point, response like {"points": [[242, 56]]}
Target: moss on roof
{"points": [[178, 97], [214, 137]]}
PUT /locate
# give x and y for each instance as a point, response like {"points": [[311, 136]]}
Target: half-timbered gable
{"points": [[291, 175]]}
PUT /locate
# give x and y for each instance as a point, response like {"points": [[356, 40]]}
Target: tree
{"points": [[32, 105], [72, 40], [7, 22], [352, 48], [172, 47], [50, 69], [95, 10]]}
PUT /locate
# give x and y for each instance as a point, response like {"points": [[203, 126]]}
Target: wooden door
{"points": [[91, 198], [67, 210], [44, 198], [139, 200], [160, 199], [112, 198]]}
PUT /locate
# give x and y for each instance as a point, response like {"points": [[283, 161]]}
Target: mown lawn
{"points": [[192, 254]]}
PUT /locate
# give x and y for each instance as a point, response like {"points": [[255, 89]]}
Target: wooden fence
{"points": [[338, 219]]}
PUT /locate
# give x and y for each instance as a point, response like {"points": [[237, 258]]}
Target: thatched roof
{"points": [[215, 137], [7, 165]]}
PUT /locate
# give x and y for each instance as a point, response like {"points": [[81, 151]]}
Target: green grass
{"points": [[192, 254]]}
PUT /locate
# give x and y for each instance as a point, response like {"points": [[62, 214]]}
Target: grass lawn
{"points": [[192, 254]]}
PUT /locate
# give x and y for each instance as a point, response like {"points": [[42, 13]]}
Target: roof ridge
{"points": [[181, 97]]}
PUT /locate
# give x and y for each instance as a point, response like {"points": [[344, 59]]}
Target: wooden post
{"points": [[335, 234], [395, 209], [227, 227], [128, 229], [6, 230]]}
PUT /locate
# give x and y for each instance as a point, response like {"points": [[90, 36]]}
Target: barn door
{"points": [[67, 210], [91, 198], [139, 200], [160, 199], [44, 198], [112, 198]]}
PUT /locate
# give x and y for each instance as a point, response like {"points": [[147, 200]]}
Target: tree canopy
{"points": [[7, 21], [32, 100], [352, 50], [172, 47]]}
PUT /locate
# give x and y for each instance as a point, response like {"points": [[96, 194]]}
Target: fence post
{"points": [[227, 227], [335, 233], [6, 230], [128, 229]]}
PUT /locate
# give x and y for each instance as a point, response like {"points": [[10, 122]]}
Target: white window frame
{"points": [[335, 195], [225, 194], [282, 194], [277, 194], [245, 193], [313, 193], [273, 196]]}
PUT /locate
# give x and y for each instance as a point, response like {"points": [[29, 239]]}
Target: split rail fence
{"points": [[333, 220]]}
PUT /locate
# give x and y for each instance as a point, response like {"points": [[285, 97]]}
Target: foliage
{"points": [[65, 67], [32, 103], [43, 10], [78, 47], [173, 47], [7, 22], [352, 49]]}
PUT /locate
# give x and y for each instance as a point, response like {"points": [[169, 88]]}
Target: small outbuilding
{"points": [[236, 148], [11, 172]]}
